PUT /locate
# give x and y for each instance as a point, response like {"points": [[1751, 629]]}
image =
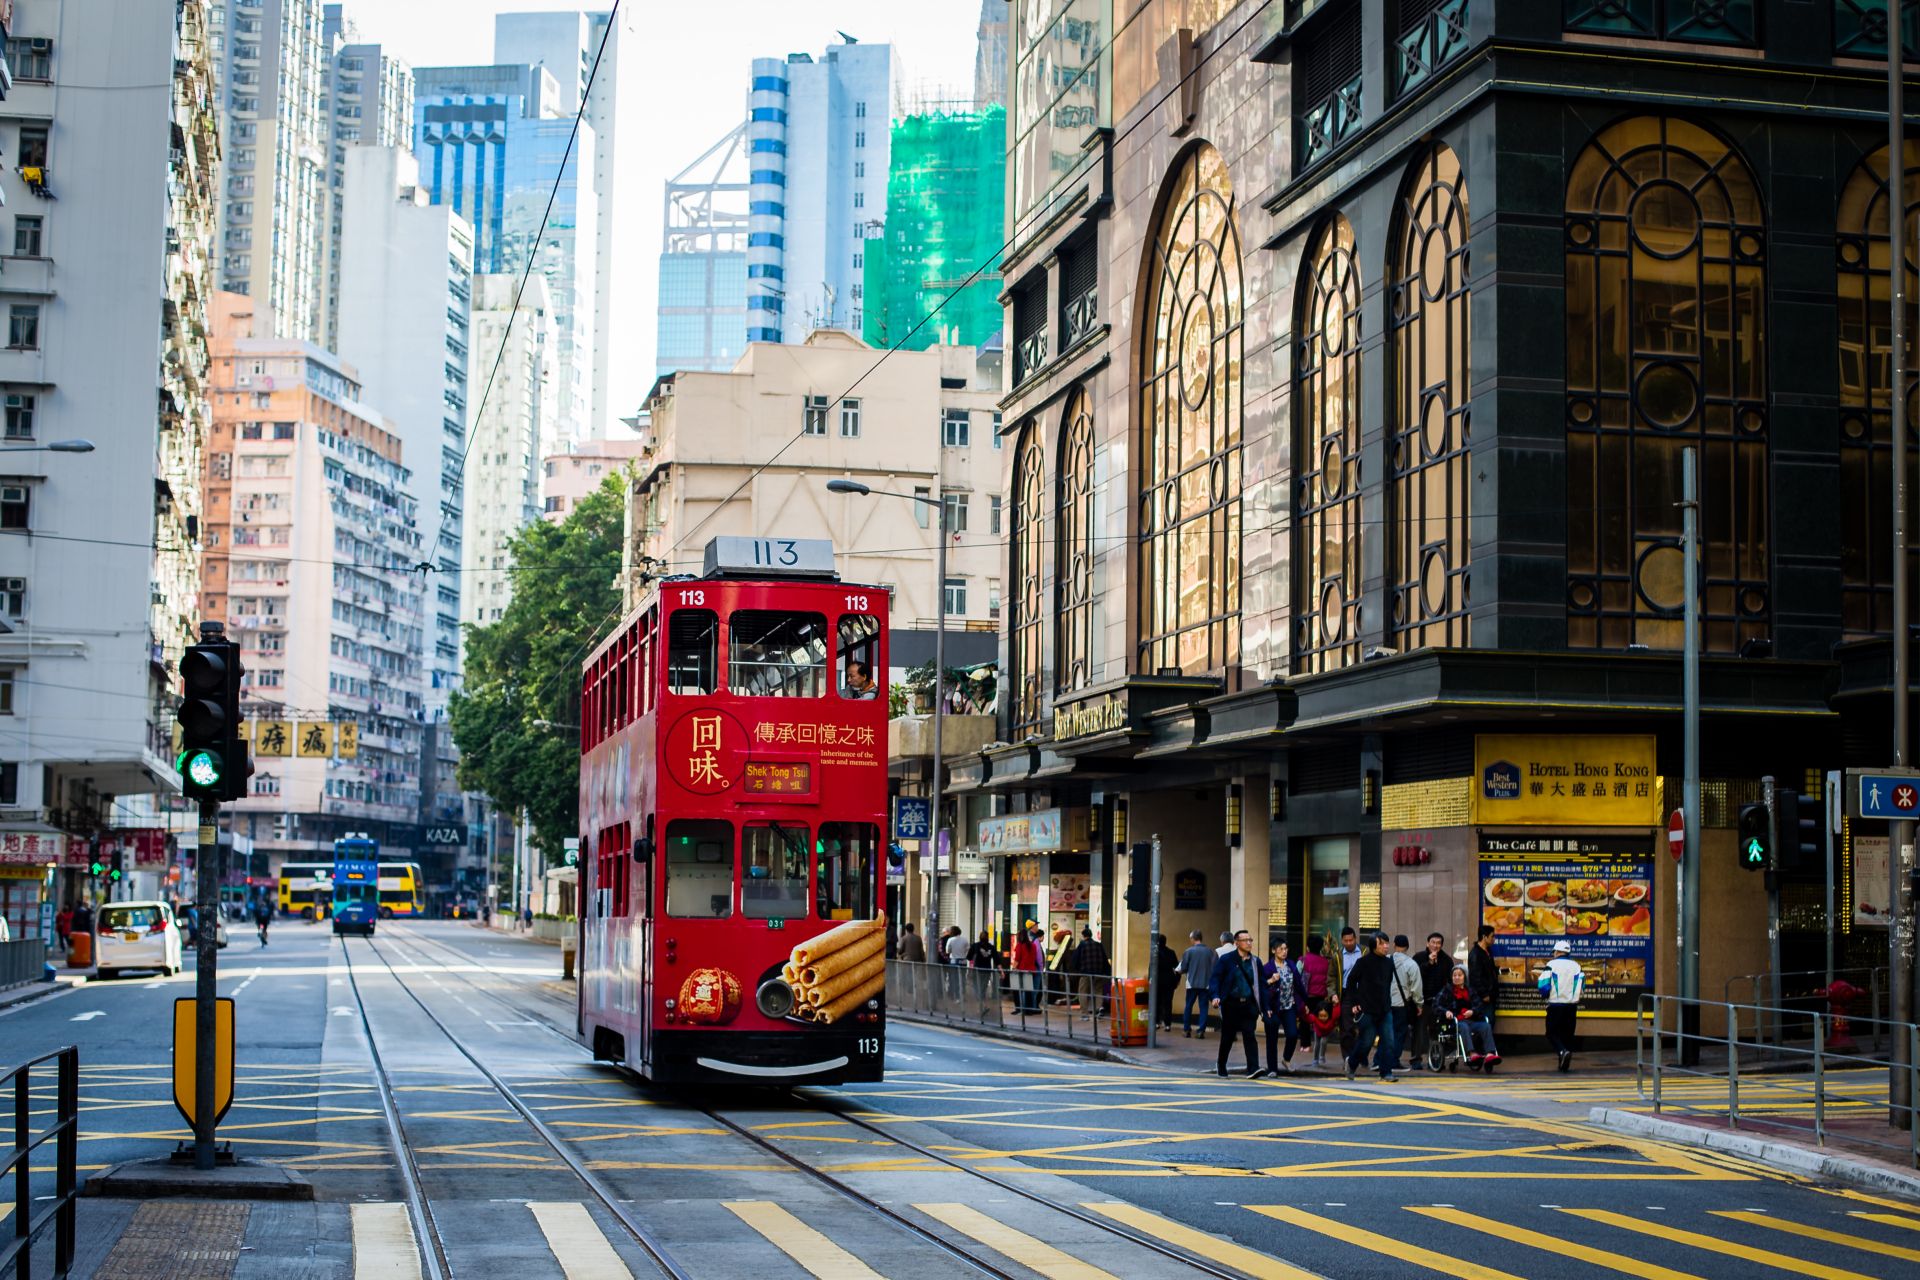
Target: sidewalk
{"points": [[63, 980]]}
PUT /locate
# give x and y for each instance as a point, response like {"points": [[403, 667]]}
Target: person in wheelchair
{"points": [[1463, 1007]]}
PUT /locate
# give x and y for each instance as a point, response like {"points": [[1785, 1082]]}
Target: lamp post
{"points": [[939, 505], [57, 446]]}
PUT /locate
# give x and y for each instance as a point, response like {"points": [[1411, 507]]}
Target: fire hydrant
{"points": [[1839, 996]]}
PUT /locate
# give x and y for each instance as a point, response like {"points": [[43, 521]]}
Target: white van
{"points": [[136, 935]]}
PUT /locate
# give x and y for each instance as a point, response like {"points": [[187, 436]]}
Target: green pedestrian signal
{"points": [[1755, 840], [202, 768]]}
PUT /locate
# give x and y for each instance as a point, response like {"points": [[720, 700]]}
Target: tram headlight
{"points": [[775, 998]]}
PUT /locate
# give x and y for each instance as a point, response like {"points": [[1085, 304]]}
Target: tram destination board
{"points": [[777, 778]]}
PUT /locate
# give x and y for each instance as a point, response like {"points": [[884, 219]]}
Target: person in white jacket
{"points": [[1562, 983]]}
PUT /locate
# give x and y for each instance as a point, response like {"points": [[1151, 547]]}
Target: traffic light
{"points": [[213, 761], [1756, 841], [1796, 831], [1140, 877], [98, 868], [118, 871]]}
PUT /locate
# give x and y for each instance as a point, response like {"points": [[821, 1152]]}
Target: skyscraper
{"points": [[990, 56], [817, 150], [490, 146], [368, 102], [703, 261], [503, 488], [271, 65]]}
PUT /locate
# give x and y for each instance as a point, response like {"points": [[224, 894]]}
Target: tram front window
{"points": [[844, 890], [700, 868], [776, 654], [773, 871]]}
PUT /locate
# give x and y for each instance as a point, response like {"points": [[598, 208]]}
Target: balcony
{"points": [[1079, 317], [1329, 122], [1030, 356], [1733, 22], [1860, 29], [1429, 44]]}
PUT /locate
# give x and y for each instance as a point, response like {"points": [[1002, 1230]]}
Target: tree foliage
{"points": [[515, 720]]}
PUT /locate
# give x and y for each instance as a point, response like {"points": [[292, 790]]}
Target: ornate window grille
{"points": [[1866, 369], [1079, 293], [1027, 625], [1666, 329], [1329, 84], [1860, 28], [1431, 431], [1708, 21], [1190, 427], [1073, 571], [1432, 34], [1326, 509]]}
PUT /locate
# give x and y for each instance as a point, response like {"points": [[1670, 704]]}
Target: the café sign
{"points": [[1576, 780], [1103, 714]]}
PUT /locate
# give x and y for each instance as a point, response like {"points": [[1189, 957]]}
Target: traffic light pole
{"points": [[1774, 840], [206, 893], [1900, 949], [1689, 869], [1153, 953]]}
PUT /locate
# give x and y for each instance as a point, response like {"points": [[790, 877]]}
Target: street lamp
{"points": [[939, 505], [58, 446]]}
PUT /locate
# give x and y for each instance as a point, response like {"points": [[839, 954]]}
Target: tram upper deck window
{"points": [[773, 871], [773, 653], [693, 643], [844, 889], [857, 649], [700, 868]]}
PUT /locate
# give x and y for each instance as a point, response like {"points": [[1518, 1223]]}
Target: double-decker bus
{"points": [[356, 884], [306, 889], [732, 800], [400, 890]]}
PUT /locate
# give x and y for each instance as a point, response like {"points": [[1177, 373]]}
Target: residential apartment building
{"points": [[749, 452], [368, 102], [312, 544], [405, 294], [106, 240], [598, 55], [503, 484], [817, 151], [490, 140], [566, 478], [272, 65]]}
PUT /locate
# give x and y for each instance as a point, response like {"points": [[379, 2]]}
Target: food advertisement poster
{"points": [[1595, 892], [1872, 881]]}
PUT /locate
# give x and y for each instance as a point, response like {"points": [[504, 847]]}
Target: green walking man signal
{"points": [[1755, 837]]}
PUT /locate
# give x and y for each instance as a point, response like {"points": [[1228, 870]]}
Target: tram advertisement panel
{"points": [[1593, 892]]}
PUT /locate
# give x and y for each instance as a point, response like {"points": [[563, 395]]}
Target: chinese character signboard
{"points": [[706, 752], [31, 848], [316, 739], [273, 738], [349, 739], [1582, 781], [1594, 892], [912, 818], [792, 778]]}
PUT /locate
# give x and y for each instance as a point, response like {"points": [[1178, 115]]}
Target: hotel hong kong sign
{"points": [[1606, 780]]}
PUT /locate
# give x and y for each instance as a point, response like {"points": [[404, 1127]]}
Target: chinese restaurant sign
{"points": [[1594, 892], [1584, 781]]}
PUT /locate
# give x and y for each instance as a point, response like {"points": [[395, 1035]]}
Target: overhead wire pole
{"points": [[1900, 866]]}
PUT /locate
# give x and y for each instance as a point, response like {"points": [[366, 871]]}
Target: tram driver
{"points": [[859, 685]]}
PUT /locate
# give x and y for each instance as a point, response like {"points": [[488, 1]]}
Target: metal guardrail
{"points": [[1791, 1083], [1793, 994], [16, 1255], [22, 961], [1070, 1006]]}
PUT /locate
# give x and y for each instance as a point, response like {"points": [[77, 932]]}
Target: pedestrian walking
{"points": [[1483, 975], [912, 949], [1282, 989], [262, 917], [1225, 948], [1405, 1000], [1095, 968], [1316, 969], [954, 952], [1167, 966], [1435, 966], [63, 925], [1563, 983], [1369, 992], [1196, 966], [1235, 989], [1028, 960], [1458, 1001], [984, 959], [1350, 953]]}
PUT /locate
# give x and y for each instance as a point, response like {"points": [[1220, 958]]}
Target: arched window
{"points": [[1073, 569], [1666, 329], [1431, 430], [1866, 371], [1190, 390], [1326, 457], [1025, 627]]}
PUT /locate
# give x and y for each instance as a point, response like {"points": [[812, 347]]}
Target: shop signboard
{"points": [[1578, 780], [1067, 891], [1596, 892], [1190, 890], [1043, 831], [31, 848]]}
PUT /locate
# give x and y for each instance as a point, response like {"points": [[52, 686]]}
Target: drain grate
{"points": [[179, 1240]]}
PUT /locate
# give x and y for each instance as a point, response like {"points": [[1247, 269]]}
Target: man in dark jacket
{"points": [[1091, 962], [1436, 967], [1483, 975], [1168, 966], [1235, 988], [1370, 992]]}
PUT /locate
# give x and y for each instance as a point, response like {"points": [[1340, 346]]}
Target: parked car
{"points": [[137, 935]]}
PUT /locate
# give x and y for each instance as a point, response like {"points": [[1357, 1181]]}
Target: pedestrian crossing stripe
{"points": [[1821, 1234], [1410, 1255], [577, 1243], [1035, 1255], [1552, 1244], [383, 1243], [1258, 1265], [820, 1256], [1714, 1244]]}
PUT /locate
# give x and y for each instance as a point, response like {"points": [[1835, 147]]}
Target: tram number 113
{"points": [[868, 1045]]}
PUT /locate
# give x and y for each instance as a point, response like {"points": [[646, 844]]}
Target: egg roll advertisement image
{"points": [[835, 974]]}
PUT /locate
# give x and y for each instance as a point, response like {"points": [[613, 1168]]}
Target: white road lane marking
{"points": [[383, 1244], [88, 1015], [577, 1242]]}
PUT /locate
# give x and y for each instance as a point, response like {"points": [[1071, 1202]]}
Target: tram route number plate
{"points": [[776, 924]]}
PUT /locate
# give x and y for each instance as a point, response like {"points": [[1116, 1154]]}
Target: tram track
{"points": [[820, 1101]]}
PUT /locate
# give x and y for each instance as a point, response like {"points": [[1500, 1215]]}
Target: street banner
{"points": [[1596, 892]]}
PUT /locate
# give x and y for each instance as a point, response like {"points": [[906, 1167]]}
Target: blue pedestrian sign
{"points": [[912, 818], [1894, 796]]}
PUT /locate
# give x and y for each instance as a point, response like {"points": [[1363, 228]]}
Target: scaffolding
{"points": [[945, 220]]}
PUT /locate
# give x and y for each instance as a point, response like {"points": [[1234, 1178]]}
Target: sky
{"points": [[695, 86]]}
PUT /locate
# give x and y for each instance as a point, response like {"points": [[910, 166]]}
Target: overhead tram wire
{"points": [[533, 253]]}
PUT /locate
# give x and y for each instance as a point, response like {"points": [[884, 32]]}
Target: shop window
{"points": [[693, 638], [699, 866], [1073, 548], [1327, 559], [1666, 350], [1430, 434], [1025, 626], [844, 888], [1329, 895], [776, 654], [1190, 416], [773, 871]]}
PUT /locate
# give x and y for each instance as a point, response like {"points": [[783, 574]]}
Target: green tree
{"points": [[514, 722]]}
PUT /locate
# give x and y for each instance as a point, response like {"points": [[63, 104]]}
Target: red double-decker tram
{"points": [[732, 807]]}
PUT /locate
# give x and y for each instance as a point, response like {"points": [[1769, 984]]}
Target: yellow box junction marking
{"points": [[1412, 1256], [383, 1243], [1884, 1219], [1258, 1265], [576, 1240], [1552, 1244], [1033, 1254], [1821, 1234], [820, 1256], [1713, 1244], [185, 1057]]}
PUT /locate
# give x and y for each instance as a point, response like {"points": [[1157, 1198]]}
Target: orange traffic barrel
{"points": [[1130, 1012], [79, 950]]}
